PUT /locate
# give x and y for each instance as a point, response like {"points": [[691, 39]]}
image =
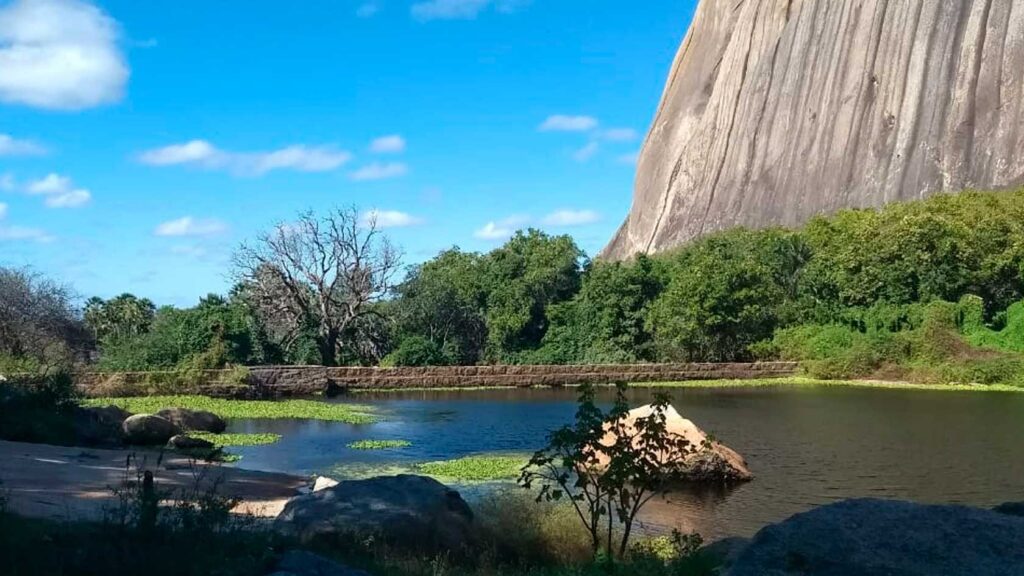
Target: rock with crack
{"points": [[148, 430], [406, 510], [778, 110]]}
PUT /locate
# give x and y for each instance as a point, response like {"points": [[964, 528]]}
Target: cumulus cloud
{"points": [[203, 154], [391, 144], [389, 219], [586, 152], [59, 191], [190, 226], [379, 171], [571, 218], [564, 123], [10, 146], [501, 229], [59, 54]]}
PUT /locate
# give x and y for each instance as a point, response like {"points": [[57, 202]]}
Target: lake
{"points": [[806, 446]]}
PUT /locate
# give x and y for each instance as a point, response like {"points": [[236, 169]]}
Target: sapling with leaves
{"points": [[608, 465]]}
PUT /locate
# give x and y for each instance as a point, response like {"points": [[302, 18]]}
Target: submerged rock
{"points": [[412, 511], [715, 463], [867, 536], [186, 442], [198, 420], [148, 430], [1011, 508]]}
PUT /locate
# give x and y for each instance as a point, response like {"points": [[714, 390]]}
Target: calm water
{"points": [[806, 446]]}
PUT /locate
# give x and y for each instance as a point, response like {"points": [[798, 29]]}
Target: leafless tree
{"points": [[38, 320], [319, 273]]}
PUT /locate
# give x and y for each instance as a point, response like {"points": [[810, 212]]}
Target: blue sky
{"points": [[140, 142]]}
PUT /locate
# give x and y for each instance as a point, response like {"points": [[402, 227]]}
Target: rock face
{"points": [[197, 420], [858, 537], [778, 110], [716, 464], [413, 511], [148, 430]]}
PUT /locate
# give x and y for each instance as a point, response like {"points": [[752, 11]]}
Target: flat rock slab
{"points": [[887, 537], [73, 483]]}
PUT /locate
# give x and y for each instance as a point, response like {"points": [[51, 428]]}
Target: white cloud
{"points": [[587, 152], [461, 9], [389, 219], [59, 54], [10, 146], [563, 123], [620, 134], [388, 144], [571, 218], [205, 155], [632, 158], [3, 210], [378, 171], [501, 229], [21, 233], [189, 226], [368, 9], [59, 191]]}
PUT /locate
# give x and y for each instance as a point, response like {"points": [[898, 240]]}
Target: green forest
{"points": [[927, 291]]}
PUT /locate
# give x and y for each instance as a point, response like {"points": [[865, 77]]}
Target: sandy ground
{"points": [[73, 483]]}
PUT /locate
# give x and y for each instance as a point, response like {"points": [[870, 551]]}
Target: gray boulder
{"points": [[867, 536], [412, 511], [198, 420], [302, 563], [148, 430], [186, 442], [98, 426]]}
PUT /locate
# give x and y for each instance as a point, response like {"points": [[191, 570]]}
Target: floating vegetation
{"points": [[225, 408], [479, 468], [379, 444], [222, 440]]}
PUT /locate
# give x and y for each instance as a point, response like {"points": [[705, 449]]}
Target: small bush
{"points": [[37, 408]]}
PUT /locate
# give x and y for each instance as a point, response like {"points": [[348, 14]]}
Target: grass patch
{"points": [[818, 383], [379, 444], [222, 440], [480, 468], [225, 408]]}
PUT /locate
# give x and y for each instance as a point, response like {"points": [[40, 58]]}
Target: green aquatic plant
{"points": [[379, 444], [478, 468], [222, 440], [244, 409]]}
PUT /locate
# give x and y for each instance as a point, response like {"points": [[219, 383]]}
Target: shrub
{"points": [[37, 408]]}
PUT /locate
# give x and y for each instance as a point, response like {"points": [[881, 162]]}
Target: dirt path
{"points": [[76, 483]]}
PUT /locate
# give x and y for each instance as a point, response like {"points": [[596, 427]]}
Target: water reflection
{"points": [[806, 447]]}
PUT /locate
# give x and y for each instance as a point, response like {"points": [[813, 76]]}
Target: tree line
{"points": [[330, 289]]}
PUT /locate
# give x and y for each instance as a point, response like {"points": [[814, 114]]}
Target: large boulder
{"points": [[148, 430], [711, 461], [197, 420], [98, 426], [413, 511], [867, 536]]}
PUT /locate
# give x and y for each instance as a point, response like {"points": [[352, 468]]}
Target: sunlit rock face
{"points": [[779, 110]]}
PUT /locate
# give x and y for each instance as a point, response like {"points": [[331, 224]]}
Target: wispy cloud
{"points": [[7, 182], [462, 9], [379, 171], [631, 158], [391, 144], [586, 152], [203, 154], [501, 229], [564, 123], [567, 217], [16, 233], [60, 54], [3, 210], [59, 191], [11, 146], [389, 219], [368, 9], [620, 134], [190, 226]]}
